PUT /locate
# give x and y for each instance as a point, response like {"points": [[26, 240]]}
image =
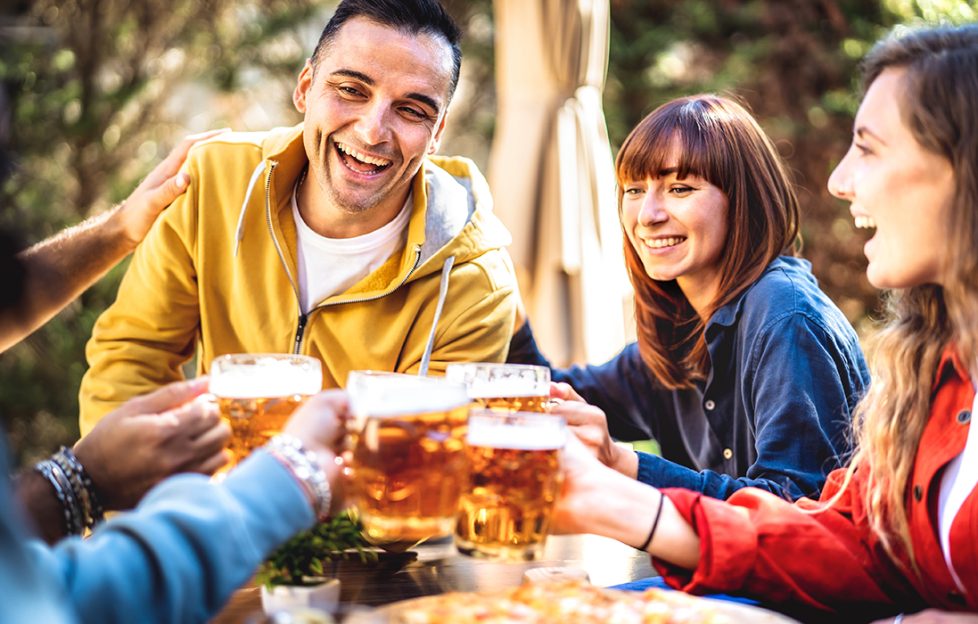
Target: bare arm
{"points": [[596, 499], [65, 265]]}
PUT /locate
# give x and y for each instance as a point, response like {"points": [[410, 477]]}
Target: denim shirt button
{"points": [[964, 417], [727, 453], [709, 405]]}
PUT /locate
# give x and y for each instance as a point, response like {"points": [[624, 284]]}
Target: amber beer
{"points": [[407, 464], [504, 387], [514, 480], [256, 394]]}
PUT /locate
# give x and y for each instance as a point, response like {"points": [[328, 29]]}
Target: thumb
{"points": [[167, 397], [564, 392], [171, 189]]}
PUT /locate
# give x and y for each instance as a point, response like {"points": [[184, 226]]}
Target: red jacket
{"points": [[762, 546]]}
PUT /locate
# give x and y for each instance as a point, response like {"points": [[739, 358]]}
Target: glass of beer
{"points": [[514, 480], [407, 461], [504, 387], [256, 394]]}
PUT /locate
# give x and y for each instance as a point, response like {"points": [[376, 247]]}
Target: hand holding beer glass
{"points": [[256, 394], [407, 461], [506, 387], [514, 480]]}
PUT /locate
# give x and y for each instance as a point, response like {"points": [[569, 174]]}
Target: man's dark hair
{"points": [[411, 16]]}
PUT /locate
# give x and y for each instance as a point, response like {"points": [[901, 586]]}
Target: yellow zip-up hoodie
{"points": [[217, 274]]}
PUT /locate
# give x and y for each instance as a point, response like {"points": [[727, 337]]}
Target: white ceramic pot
{"points": [[324, 596]]}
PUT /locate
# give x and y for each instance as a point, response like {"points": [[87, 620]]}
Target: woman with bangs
{"points": [[744, 371], [896, 530]]}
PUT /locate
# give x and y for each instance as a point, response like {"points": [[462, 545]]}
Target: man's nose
{"points": [[373, 126]]}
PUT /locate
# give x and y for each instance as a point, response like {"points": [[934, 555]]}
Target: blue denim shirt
{"points": [[176, 558], [775, 410]]}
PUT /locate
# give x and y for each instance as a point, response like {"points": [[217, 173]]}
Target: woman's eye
{"points": [[633, 190], [681, 190]]}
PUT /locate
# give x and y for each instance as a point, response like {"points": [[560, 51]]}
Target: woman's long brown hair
{"points": [[940, 88], [716, 139]]}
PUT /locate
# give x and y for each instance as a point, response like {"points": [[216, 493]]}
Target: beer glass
{"points": [[505, 387], [514, 480], [256, 394], [407, 459]]}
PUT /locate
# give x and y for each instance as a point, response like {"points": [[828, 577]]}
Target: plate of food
{"points": [[567, 602]]}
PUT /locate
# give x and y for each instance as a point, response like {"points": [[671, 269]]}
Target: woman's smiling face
{"points": [[897, 187], [678, 227]]}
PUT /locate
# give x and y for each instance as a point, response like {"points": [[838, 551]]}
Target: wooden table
{"points": [[439, 568]]}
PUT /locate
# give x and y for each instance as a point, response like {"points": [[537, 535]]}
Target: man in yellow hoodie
{"points": [[343, 238]]}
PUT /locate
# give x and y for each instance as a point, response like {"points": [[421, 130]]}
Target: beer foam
{"points": [[404, 394], [271, 379], [510, 387], [536, 437]]}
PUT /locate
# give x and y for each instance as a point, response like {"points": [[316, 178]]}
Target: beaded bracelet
{"points": [[74, 489], [304, 466], [81, 482], [66, 496]]}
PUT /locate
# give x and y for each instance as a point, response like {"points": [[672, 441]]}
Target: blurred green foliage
{"points": [[99, 89]]}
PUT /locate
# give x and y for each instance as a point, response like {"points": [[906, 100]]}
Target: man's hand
{"points": [[590, 425], [149, 438], [163, 184]]}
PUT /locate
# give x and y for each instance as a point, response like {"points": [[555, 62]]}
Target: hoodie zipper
{"points": [[303, 320], [300, 329]]}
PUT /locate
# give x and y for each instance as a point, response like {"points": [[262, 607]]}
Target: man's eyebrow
{"points": [[427, 100], [349, 73]]}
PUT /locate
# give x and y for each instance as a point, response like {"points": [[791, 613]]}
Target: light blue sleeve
{"points": [[180, 554]]}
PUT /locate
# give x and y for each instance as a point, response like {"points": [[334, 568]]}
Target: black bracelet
{"points": [[52, 472], [84, 488], [655, 523]]}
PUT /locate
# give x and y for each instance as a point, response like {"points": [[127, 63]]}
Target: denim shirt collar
{"points": [[727, 315]]}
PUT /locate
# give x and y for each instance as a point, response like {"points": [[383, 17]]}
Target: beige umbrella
{"points": [[552, 175]]}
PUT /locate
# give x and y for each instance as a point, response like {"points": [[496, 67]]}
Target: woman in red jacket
{"points": [[897, 530]]}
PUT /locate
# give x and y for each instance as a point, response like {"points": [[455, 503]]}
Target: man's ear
{"points": [[302, 87], [436, 140]]}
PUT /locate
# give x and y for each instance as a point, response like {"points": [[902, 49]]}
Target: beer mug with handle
{"points": [[505, 387], [257, 392], [407, 458], [514, 480]]}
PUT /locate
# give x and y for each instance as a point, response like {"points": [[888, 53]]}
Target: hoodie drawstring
{"points": [[239, 231], [442, 292]]}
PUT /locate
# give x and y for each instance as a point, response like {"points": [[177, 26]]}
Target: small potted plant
{"points": [[298, 574]]}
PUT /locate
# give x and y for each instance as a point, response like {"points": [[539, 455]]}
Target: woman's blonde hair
{"points": [[940, 88], [718, 140]]}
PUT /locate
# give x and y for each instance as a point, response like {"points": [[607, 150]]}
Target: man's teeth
{"points": [[370, 160], [865, 222], [659, 243]]}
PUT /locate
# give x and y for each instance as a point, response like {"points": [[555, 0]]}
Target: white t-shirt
{"points": [[958, 481], [328, 266]]}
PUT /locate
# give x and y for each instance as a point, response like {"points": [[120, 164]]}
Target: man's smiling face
{"points": [[374, 106]]}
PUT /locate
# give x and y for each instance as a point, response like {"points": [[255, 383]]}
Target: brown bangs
{"points": [[681, 128], [716, 139]]}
